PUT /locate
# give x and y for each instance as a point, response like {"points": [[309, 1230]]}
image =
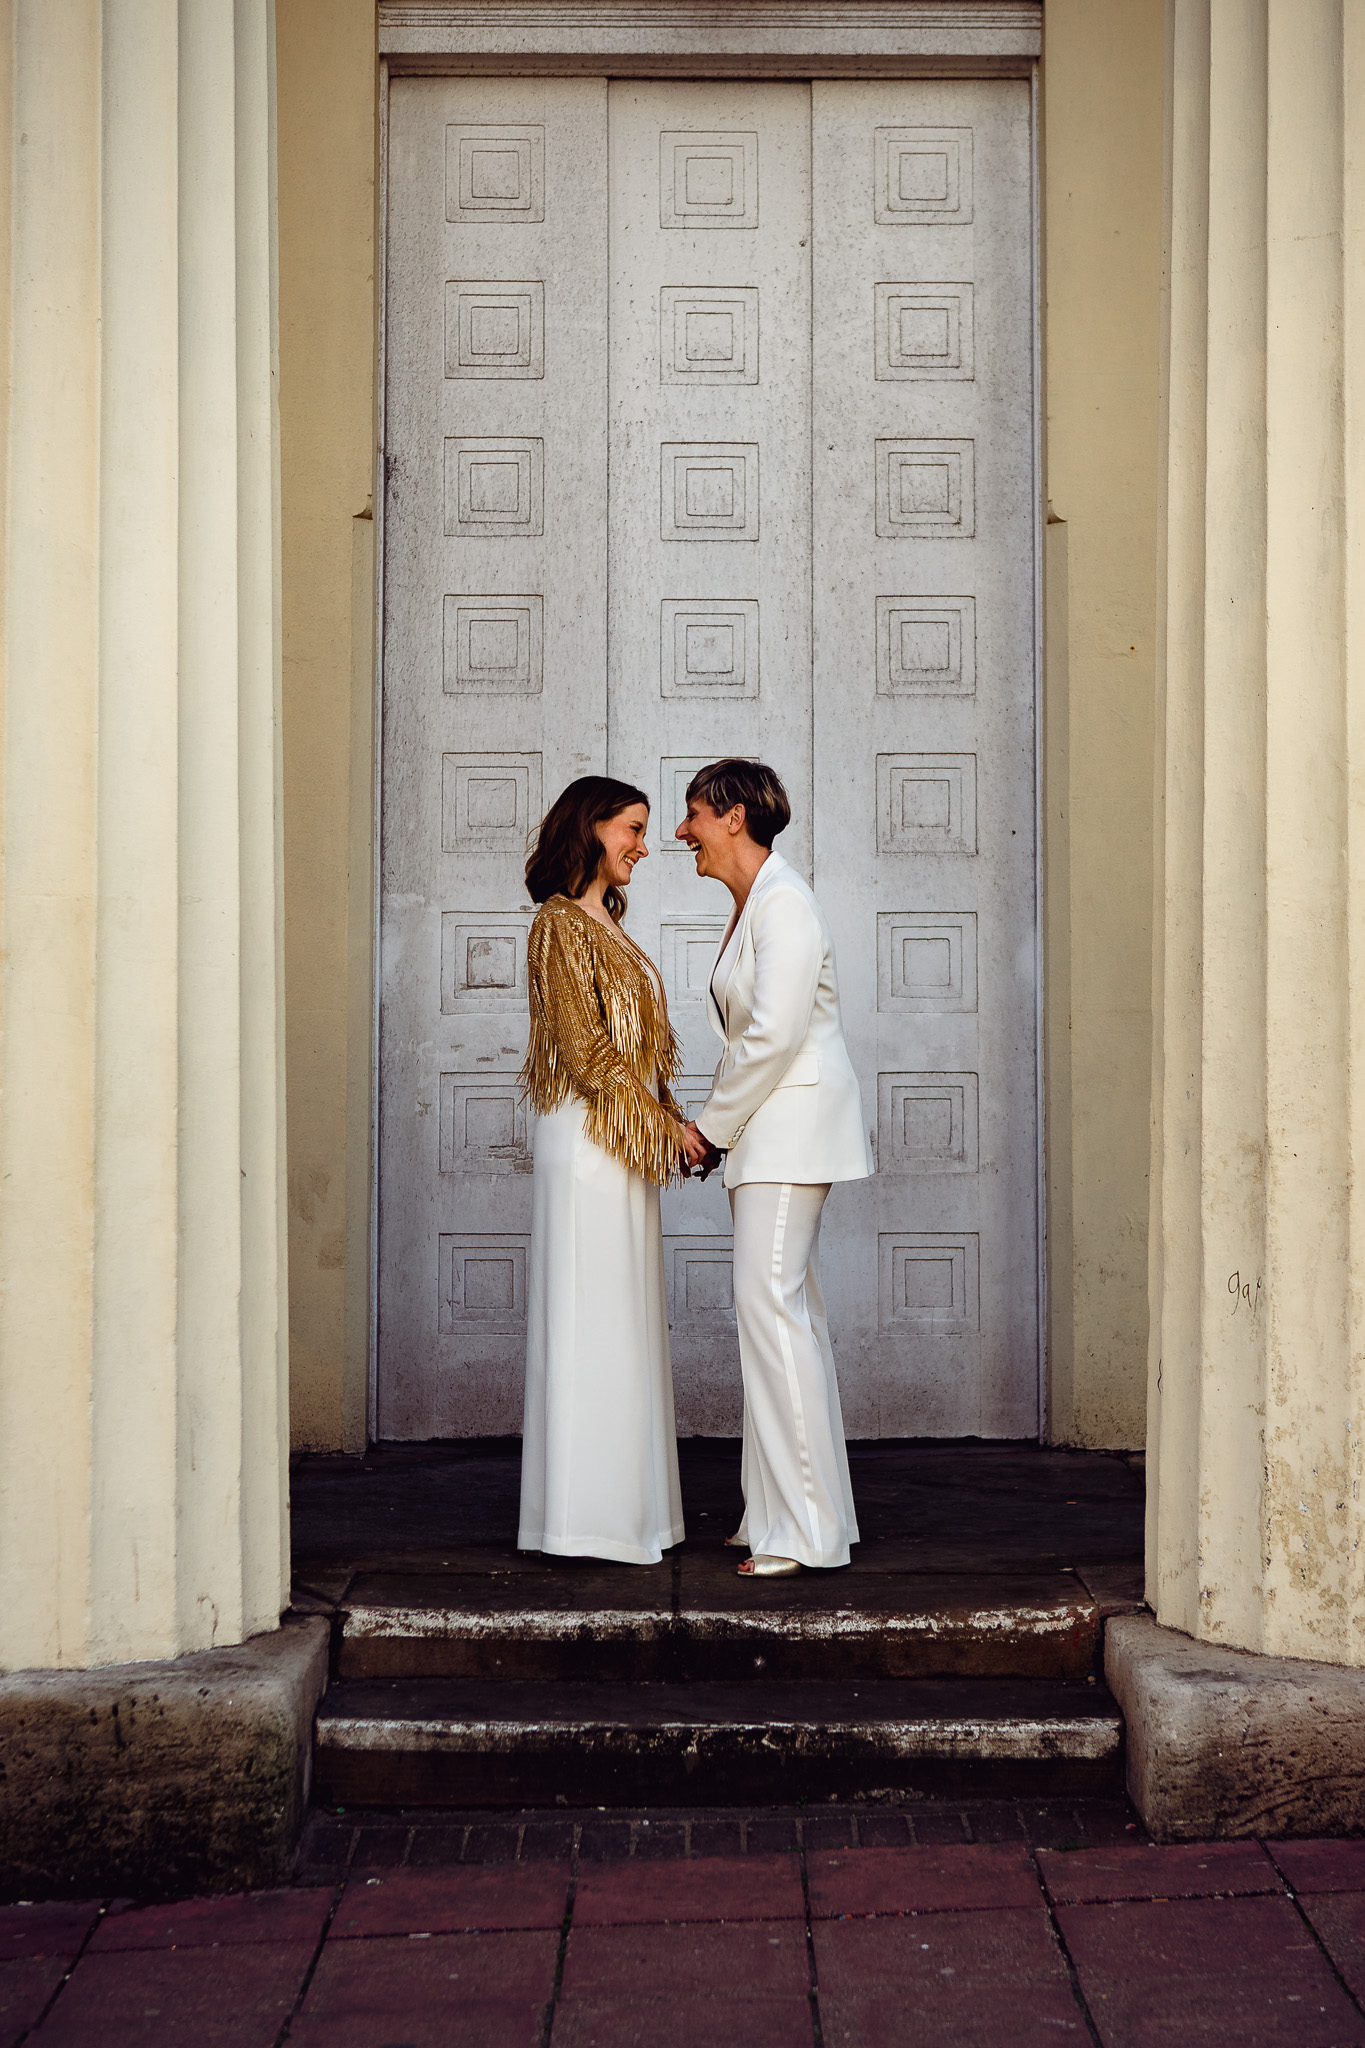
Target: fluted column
{"points": [[1258, 1317], [142, 1361]]}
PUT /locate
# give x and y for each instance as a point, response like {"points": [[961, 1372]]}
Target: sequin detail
{"points": [[600, 1031]]}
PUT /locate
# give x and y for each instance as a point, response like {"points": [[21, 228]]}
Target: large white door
{"points": [[709, 429]]}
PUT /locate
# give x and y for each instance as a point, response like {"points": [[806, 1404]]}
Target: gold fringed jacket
{"points": [[600, 1031]]}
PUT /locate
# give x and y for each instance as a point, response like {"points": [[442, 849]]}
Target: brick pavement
{"points": [[972, 1926]]}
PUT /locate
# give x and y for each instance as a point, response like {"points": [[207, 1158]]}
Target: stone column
{"points": [[1258, 1259], [142, 1280]]}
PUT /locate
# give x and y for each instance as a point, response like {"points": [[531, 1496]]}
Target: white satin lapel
{"points": [[719, 1012], [760, 882], [714, 1012]]}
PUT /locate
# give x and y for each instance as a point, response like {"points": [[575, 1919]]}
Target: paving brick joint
{"points": [[1005, 1922]]}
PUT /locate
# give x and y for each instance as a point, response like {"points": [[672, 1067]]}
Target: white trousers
{"points": [[599, 1455], [797, 1498]]}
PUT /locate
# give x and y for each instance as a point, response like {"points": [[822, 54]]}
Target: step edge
{"points": [[373, 1623], [1092, 1737]]}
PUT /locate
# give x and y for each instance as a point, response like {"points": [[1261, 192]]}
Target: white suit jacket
{"points": [[785, 1101]]}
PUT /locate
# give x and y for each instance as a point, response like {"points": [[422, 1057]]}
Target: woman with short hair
{"points": [[599, 1467], [786, 1110]]}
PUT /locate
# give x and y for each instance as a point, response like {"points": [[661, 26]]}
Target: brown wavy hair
{"points": [[568, 852]]}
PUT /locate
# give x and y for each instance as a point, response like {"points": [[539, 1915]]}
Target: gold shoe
{"points": [[769, 1568], [736, 1542]]}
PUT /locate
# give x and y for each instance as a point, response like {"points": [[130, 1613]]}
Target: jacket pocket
{"points": [[803, 1072]]}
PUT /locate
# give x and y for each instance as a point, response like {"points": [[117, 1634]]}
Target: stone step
{"points": [[705, 1625], [448, 1742]]}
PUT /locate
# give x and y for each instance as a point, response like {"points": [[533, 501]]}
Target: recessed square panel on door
{"points": [[708, 179], [710, 560], [708, 336], [495, 329], [483, 1285], [708, 647], [926, 803], [494, 665], [922, 176], [490, 803], [495, 172], [926, 490], [492, 644], [708, 491], [483, 1125], [687, 955], [925, 783], [928, 1123], [925, 333], [675, 772], [926, 646], [495, 487]]}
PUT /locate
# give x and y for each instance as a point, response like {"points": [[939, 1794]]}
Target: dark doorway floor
{"points": [[923, 1508]]}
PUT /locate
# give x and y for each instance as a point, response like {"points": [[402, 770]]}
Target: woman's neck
{"points": [[593, 901], [749, 857]]}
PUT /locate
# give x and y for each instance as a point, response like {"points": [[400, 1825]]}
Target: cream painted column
{"points": [[142, 1360], [1258, 1315]]}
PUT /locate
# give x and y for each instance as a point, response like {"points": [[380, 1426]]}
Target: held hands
{"points": [[702, 1156], [694, 1145]]}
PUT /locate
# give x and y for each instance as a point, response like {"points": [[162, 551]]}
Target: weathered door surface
{"points": [[709, 429]]}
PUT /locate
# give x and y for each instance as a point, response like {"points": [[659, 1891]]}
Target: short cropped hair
{"points": [[751, 783]]}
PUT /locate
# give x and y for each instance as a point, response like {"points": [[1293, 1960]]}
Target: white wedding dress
{"points": [[599, 1461]]}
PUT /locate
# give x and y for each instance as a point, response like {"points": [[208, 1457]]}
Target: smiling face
{"points": [[623, 844], [710, 835]]}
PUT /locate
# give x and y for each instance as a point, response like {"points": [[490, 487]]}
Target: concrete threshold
{"points": [[477, 1743], [1037, 1626]]}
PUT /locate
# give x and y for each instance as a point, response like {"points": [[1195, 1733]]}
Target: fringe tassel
{"points": [[612, 1016]]}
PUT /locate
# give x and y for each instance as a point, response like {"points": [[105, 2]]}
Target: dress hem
{"points": [[611, 1552]]}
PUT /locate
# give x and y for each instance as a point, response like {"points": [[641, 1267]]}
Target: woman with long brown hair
{"points": [[599, 1470]]}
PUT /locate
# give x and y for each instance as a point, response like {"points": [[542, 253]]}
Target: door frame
{"points": [[762, 40]]}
